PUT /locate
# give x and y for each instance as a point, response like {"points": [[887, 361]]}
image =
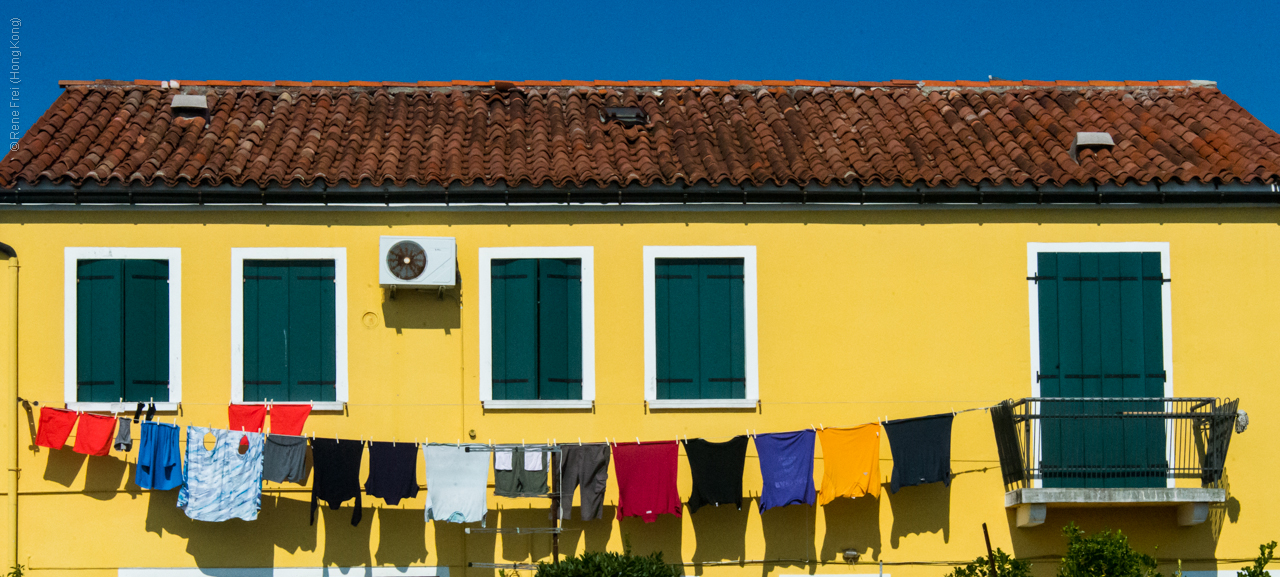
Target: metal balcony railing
{"points": [[1112, 442]]}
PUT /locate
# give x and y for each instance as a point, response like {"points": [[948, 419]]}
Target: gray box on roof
{"points": [[189, 101]]}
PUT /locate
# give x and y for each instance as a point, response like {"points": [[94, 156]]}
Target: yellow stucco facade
{"points": [[862, 314]]}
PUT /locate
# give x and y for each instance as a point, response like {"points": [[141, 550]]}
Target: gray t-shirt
{"points": [[284, 458]]}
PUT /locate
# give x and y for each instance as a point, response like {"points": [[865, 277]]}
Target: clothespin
{"points": [[637, 440], [521, 443], [753, 433], [812, 427], [821, 427], [579, 441]]}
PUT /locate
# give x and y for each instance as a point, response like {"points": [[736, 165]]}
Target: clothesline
{"points": [[552, 441], [240, 460]]}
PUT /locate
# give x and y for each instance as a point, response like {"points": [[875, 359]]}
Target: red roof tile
{"points": [[549, 134]]}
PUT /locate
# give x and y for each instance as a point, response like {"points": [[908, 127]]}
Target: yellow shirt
{"points": [[850, 462]]}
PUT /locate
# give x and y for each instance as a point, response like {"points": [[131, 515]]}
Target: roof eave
{"points": [[46, 192]]}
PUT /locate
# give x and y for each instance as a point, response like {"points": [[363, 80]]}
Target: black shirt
{"points": [[393, 471], [337, 474], [921, 450], [717, 471]]}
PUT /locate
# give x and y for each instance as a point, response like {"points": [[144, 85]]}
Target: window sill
{"points": [[538, 405], [666, 404], [338, 406], [122, 408]]}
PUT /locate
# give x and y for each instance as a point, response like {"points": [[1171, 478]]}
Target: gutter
{"points": [[10, 419], [500, 194]]}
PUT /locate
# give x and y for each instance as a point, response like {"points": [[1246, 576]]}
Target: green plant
{"points": [[598, 564], [1006, 566], [18, 571], [1259, 569], [1104, 554]]}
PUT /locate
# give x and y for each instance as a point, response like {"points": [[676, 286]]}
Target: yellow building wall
{"points": [[862, 314]]}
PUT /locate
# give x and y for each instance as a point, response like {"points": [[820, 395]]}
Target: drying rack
{"points": [[554, 494]]}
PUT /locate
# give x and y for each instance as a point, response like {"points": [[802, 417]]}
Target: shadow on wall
{"points": [[63, 466], [788, 534], [720, 532], [345, 545], [533, 546], [920, 509], [596, 533], [852, 524], [1222, 513], [422, 309], [281, 523], [401, 540], [663, 535], [1151, 530]]}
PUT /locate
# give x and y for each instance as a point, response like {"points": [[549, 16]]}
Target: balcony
{"points": [[1113, 452]]}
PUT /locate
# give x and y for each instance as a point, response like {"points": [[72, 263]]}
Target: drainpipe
{"points": [[10, 398]]}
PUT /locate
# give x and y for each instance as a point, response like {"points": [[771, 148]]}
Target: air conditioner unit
{"points": [[417, 261]]}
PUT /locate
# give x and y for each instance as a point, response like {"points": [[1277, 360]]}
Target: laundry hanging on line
{"points": [[646, 470]]}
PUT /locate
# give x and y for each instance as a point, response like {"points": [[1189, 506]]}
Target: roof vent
{"points": [[1090, 141], [186, 106], [624, 115]]}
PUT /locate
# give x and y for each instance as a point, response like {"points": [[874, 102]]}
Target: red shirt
{"points": [[647, 479], [288, 419], [55, 427], [247, 418], [94, 435]]}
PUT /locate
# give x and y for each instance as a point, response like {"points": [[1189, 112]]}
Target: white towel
{"points": [[502, 460], [532, 460]]}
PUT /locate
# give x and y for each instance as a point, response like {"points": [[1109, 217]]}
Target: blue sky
{"points": [[1233, 43]]}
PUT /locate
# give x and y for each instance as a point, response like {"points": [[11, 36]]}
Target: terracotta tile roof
{"points": [[766, 133]]}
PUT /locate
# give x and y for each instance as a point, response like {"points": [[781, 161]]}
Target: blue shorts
{"points": [[159, 460]]}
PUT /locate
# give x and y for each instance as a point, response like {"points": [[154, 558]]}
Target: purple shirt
{"points": [[786, 464]]}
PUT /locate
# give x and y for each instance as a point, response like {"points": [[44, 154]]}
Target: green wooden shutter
{"points": [[99, 330], [678, 328], [701, 344], [1101, 335], [559, 329], [514, 310], [266, 327], [312, 347], [722, 372], [146, 330]]}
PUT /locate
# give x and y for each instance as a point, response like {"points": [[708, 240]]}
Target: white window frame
{"points": [[750, 336], [74, 254], [586, 255], [339, 257], [1166, 316]]}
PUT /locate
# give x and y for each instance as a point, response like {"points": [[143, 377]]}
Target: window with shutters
{"points": [[700, 327], [1100, 325], [536, 328], [289, 326], [123, 330]]}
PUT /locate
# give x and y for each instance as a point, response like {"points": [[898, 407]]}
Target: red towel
{"points": [[289, 419], [55, 427], [247, 418], [647, 479], [94, 435]]}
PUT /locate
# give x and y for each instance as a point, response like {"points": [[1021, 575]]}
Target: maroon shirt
{"points": [[647, 479]]}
